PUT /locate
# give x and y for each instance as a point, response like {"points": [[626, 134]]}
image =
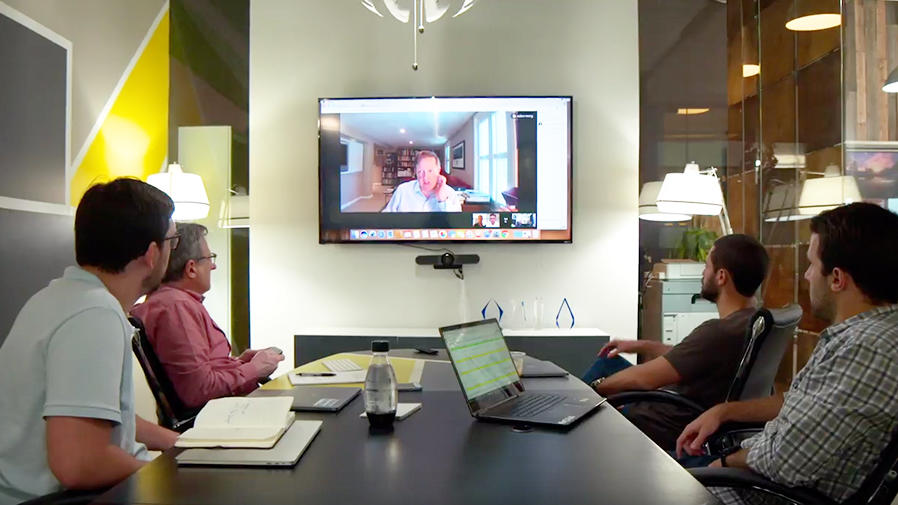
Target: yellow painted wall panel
{"points": [[133, 139]]}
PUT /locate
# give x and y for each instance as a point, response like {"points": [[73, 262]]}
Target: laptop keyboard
{"points": [[341, 365], [532, 404]]}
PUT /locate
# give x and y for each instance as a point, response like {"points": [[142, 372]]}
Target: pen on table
{"points": [[316, 374]]}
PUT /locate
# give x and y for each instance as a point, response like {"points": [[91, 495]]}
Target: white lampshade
{"points": [[186, 190], [891, 85], [648, 208], [691, 193], [827, 192]]}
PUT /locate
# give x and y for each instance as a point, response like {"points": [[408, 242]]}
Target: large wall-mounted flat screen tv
{"points": [[445, 169]]}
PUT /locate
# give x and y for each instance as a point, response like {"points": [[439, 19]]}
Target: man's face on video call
{"points": [[428, 173]]}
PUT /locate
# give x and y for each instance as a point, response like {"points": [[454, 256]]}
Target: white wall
{"points": [[300, 51]]}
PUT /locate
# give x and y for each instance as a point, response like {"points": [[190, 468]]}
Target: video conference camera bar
{"points": [[449, 261]]}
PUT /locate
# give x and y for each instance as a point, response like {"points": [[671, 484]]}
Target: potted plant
{"points": [[695, 243]]}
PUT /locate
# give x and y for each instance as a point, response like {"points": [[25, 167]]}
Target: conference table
{"points": [[438, 455]]}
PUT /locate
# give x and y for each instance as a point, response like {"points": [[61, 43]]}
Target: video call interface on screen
{"points": [[445, 169]]}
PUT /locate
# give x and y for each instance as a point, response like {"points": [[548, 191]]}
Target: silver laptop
{"points": [[313, 398], [491, 384], [286, 451]]}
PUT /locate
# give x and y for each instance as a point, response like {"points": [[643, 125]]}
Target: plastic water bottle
{"points": [[380, 387]]}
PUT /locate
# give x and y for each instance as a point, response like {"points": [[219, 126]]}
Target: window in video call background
{"points": [[508, 159]]}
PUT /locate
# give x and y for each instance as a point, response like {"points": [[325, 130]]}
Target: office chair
{"points": [[172, 413], [768, 336], [880, 487]]}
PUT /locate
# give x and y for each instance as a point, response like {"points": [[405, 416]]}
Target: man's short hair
{"points": [[744, 258], [117, 221], [427, 154], [190, 248], [861, 239]]}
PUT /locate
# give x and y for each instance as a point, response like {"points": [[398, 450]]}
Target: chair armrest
{"points": [[182, 425], [657, 395], [729, 437], [745, 479]]}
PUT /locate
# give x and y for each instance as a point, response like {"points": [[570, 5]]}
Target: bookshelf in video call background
{"points": [[398, 166]]}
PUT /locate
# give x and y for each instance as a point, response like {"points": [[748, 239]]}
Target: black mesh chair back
{"points": [[172, 413], [768, 336]]}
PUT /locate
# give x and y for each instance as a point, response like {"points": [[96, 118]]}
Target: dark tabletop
{"points": [[439, 455]]}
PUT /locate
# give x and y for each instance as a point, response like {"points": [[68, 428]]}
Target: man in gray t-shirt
{"points": [[66, 396], [703, 365]]}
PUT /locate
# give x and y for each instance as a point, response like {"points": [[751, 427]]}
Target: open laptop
{"points": [[313, 398], [491, 384], [286, 451]]}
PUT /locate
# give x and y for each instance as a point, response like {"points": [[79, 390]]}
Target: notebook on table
{"points": [[492, 386], [285, 453], [314, 399]]}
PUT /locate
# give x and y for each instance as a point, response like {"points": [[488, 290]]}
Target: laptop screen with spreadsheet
{"points": [[482, 362]]}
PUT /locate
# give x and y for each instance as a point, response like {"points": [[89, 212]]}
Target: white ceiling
{"points": [[424, 129]]}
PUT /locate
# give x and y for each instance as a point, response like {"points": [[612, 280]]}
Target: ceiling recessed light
{"points": [[750, 69], [692, 111], [402, 130]]}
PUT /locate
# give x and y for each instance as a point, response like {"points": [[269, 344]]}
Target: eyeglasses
{"points": [[210, 257], [175, 240]]}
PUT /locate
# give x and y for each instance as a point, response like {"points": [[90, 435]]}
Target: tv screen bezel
{"points": [[570, 185]]}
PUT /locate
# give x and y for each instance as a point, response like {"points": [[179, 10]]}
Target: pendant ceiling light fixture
{"points": [[418, 12], [891, 85], [811, 15]]}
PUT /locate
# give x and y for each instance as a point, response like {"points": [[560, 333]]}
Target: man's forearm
{"points": [[155, 437], [735, 460], [760, 410], [81, 457], [651, 349], [621, 381]]}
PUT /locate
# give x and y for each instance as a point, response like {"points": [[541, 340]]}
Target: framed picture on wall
{"points": [[874, 166], [458, 156]]}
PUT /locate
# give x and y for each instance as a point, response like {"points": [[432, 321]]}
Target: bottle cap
{"points": [[380, 346]]}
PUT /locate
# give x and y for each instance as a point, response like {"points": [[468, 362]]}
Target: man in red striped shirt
{"points": [[193, 350]]}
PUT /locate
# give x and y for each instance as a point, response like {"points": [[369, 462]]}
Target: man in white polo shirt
{"points": [[67, 416]]}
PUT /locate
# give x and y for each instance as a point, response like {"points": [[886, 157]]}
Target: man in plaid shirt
{"points": [[826, 433]]}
